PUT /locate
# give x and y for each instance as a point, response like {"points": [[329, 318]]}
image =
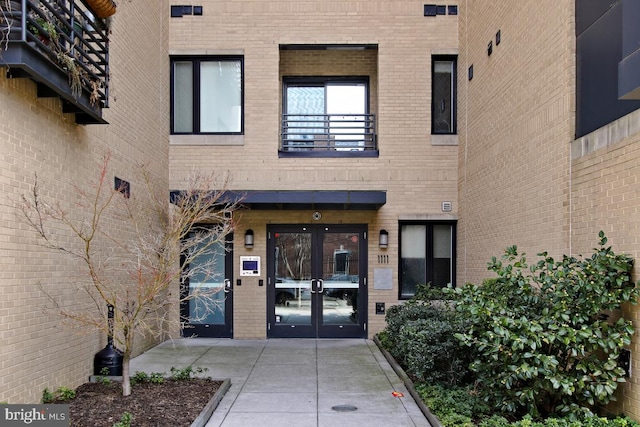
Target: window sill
{"points": [[449, 139], [206, 139]]}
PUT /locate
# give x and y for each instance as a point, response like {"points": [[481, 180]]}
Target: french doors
{"points": [[316, 277]]}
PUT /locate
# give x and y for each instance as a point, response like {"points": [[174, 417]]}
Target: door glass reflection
{"points": [[341, 278], [293, 278], [206, 287]]}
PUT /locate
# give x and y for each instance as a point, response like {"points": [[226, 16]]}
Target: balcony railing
{"points": [[328, 133], [61, 46]]}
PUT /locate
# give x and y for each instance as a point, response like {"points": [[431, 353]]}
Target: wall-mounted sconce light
{"points": [[248, 239], [384, 239]]}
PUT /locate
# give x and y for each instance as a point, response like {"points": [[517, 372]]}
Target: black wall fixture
{"points": [[430, 10], [498, 37], [471, 72], [433, 10], [180, 11], [490, 48], [123, 187]]}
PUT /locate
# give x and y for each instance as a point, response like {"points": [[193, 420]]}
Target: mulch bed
{"points": [[172, 403]]}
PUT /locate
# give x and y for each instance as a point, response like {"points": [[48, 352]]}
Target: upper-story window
{"points": [[207, 95], [327, 116], [443, 95]]}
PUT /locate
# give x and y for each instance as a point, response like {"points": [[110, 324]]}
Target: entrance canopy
{"points": [[305, 199]]}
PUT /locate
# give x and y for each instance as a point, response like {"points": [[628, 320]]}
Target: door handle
{"points": [[312, 283], [227, 286], [321, 289]]}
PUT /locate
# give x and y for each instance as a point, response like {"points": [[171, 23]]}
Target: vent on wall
{"points": [[447, 206]]}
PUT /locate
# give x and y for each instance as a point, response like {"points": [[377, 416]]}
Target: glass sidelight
{"points": [[316, 285]]}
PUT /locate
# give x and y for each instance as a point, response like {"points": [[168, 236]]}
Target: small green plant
{"points": [[142, 377], [103, 378], [125, 420], [65, 393], [61, 394], [186, 373], [139, 377], [47, 396], [156, 377]]}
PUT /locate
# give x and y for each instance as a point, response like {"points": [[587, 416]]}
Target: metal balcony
{"points": [[329, 134], [63, 48]]}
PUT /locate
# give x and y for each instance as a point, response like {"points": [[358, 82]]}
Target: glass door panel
{"points": [[208, 299], [340, 278], [292, 278], [316, 288], [346, 105]]}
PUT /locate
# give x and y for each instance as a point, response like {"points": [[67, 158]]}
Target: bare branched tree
{"points": [[134, 248]]}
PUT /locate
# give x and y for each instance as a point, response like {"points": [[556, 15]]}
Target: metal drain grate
{"points": [[344, 408]]}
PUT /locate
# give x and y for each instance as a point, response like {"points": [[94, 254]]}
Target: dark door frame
{"points": [[317, 329], [211, 330]]}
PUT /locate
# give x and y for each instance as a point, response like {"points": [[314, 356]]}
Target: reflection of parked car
{"points": [[292, 290], [339, 287]]}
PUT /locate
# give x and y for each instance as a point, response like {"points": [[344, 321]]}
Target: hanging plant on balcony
{"points": [[102, 8]]}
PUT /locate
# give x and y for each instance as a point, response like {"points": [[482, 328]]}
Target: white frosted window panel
{"points": [[220, 96], [183, 97], [413, 241]]}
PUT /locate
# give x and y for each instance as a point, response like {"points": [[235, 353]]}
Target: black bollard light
{"points": [[109, 357]]}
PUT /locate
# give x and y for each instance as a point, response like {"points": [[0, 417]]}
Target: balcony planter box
{"points": [[102, 8]]}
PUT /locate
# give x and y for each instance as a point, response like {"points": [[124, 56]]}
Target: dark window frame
{"points": [[429, 261], [196, 60], [454, 94], [323, 81]]}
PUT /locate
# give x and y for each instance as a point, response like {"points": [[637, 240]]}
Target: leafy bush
{"points": [[463, 407], [186, 373], [62, 394], [454, 406], [527, 421], [420, 334], [141, 377], [544, 344]]}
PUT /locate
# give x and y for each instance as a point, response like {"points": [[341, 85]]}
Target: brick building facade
{"points": [[375, 144]]}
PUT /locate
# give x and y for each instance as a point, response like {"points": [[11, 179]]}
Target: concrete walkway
{"points": [[294, 382]]}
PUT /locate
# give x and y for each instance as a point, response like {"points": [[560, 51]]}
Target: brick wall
{"points": [[523, 178], [37, 350], [416, 174], [604, 196], [516, 123]]}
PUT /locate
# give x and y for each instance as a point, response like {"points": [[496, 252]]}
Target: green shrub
{"points": [[454, 406], [544, 344], [527, 421], [420, 334], [62, 394], [464, 407], [142, 377], [186, 373]]}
